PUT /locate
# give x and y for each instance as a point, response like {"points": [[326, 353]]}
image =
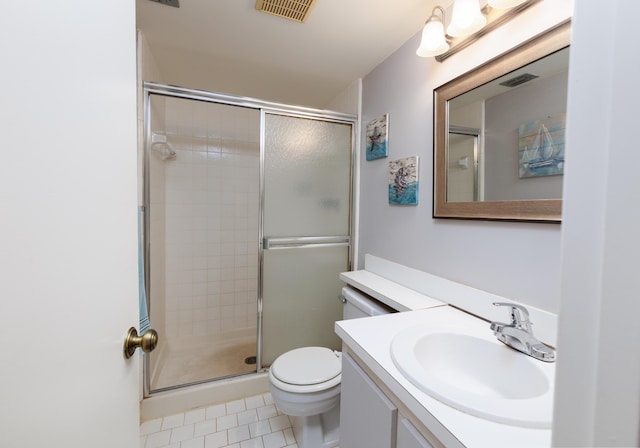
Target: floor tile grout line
{"points": [[276, 421]]}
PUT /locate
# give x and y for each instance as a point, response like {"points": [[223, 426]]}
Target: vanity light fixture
{"points": [[505, 4], [466, 18], [469, 23], [433, 42]]}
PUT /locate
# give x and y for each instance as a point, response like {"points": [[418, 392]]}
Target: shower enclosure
{"points": [[247, 225]]}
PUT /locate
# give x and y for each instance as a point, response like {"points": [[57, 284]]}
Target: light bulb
{"points": [[433, 41], [467, 18]]}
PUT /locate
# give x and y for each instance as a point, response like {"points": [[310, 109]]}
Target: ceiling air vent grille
{"points": [[174, 3], [297, 10], [525, 77]]}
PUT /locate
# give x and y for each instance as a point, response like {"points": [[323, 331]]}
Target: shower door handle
{"points": [[305, 242], [147, 341]]}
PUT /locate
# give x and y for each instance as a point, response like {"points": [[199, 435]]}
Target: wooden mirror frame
{"points": [[539, 210]]}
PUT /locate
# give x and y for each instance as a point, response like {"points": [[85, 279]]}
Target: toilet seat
{"points": [[307, 369]]}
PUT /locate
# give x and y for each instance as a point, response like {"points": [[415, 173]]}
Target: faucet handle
{"points": [[519, 314]]}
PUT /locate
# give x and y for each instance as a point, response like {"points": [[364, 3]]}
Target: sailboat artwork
{"points": [[541, 147], [403, 181]]}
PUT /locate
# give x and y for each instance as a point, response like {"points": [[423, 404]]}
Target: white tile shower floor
{"points": [[253, 422], [190, 362]]}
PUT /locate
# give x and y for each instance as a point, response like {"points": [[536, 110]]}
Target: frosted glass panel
{"points": [[307, 177], [301, 289], [307, 173]]}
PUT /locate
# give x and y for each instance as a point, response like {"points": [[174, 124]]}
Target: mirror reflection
{"points": [[499, 135], [463, 183], [506, 137]]}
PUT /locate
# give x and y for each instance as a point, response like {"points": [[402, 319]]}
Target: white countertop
{"points": [[370, 339], [390, 293], [407, 289]]}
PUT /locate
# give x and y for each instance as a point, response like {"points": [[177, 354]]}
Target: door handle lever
{"points": [[147, 341]]}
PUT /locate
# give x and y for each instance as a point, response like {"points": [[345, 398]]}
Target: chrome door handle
{"points": [[147, 342], [305, 241]]}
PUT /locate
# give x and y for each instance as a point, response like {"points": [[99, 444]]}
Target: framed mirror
{"points": [[499, 135]]}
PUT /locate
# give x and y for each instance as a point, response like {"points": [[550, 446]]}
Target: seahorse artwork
{"points": [[400, 181], [403, 181]]}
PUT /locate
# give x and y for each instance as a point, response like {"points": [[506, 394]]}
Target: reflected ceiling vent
{"points": [[521, 79], [296, 10], [174, 3]]}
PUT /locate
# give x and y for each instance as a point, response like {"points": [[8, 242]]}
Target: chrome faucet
{"points": [[519, 335]]}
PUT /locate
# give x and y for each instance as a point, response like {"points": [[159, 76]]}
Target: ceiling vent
{"points": [[521, 79], [296, 10], [174, 3]]}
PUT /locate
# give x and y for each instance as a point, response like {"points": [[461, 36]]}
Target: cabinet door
{"points": [[409, 437], [367, 417]]}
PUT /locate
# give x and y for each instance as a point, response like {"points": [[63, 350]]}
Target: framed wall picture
{"points": [[541, 147], [403, 181], [378, 138]]}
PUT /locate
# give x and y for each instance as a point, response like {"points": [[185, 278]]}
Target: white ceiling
{"points": [[229, 47]]}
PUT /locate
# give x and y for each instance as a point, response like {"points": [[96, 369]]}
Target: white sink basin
{"points": [[477, 374]]}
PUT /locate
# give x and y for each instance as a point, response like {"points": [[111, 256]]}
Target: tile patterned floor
{"points": [[253, 422]]}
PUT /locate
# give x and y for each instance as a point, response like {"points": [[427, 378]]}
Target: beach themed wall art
{"points": [[541, 147], [378, 138], [403, 181]]}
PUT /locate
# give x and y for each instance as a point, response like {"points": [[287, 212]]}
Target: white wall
{"points": [[347, 101], [598, 371], [516, 260]]}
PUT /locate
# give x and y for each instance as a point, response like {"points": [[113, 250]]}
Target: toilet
{"points": [[305, 382]]}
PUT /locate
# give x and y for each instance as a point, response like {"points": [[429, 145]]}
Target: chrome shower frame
{"points": [[264, 107]]}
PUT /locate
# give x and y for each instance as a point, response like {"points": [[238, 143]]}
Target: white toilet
{"points": [[305, 382]]}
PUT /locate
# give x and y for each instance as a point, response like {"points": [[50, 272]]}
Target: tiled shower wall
{"points": [[211, 209]]}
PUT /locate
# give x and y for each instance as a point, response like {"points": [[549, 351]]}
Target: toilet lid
{"points": [[307, 365]]}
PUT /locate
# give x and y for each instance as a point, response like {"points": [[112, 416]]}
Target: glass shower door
{"points": [[203, 215], [306, 229]]}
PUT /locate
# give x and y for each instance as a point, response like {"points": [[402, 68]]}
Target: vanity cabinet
{"points": [[369, 418], [409, 437]]}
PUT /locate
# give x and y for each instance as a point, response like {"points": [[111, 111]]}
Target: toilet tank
{"points": [[357, 304]]}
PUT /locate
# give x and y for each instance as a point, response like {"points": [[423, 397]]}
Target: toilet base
{"points": [[318, 431]]}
